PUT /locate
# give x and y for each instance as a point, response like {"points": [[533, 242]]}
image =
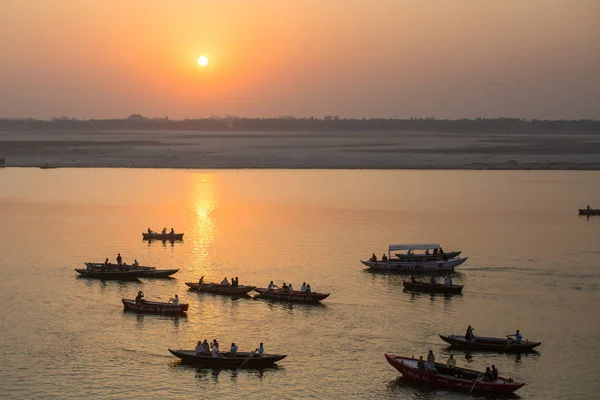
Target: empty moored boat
{"points": [[296, 296], [502, 345], [240, 359], [109, 274], [455, 379], [154, 307], [426, 287], [217, 288]]}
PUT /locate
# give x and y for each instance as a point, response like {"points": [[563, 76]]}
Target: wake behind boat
{"points": [[227, 360], [502, 345], [389, 263], [451, 378]]}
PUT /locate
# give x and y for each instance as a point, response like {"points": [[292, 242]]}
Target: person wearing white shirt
{"points": [[303, 288], [225, 282], [290, 289], [215, 351], [271, 286], [175, 300], [199, 349]]}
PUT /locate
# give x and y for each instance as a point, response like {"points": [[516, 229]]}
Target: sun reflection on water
{"points": [[203, 201]]}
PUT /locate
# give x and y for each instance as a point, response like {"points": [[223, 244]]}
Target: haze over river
{"points": [[533, 265]]}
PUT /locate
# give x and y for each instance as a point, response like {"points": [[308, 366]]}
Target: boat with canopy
{"points": [[443, 264]]}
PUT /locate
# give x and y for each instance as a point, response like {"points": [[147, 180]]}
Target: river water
{"points": [[533, 266]]}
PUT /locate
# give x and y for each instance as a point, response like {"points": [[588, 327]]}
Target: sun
{"points": [[203, 61]]}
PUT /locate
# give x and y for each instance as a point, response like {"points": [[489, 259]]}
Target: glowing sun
{"points": [[203, 61]]}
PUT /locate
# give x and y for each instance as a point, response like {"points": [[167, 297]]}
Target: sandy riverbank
{"points": [[334, 150]]}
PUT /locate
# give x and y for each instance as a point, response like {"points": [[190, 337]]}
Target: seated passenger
{"points": [[426, 252], [494, 372], [448, 281], [373, 258], [303, 287], [233, 350], [236, 282], [469, 334], [432, 280], [308, 290], [150, 231], [261, 350], [206, 347], [225, 282], [174, 300], [172, 232], [284, 287], [430, 367], [136, 263], [199, 349], [421, 363], [215, 351], [140, 297], [488, 376], [164, 231], [435, 251], [271, 286], [451, 363], [290, 289], [383, 257]]}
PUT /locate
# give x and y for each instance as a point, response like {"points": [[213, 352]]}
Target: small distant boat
{"points": [[502, 345], [426, 287], [456, 379], [217, 288], [154, 307], [589, 211], [241, 359], [296, 296], [162, 236]]}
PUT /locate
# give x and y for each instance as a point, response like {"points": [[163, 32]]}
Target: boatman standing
{"points": [[119, 259]]}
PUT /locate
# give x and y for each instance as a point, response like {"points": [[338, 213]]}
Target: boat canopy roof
{"points": [[423, 246]]}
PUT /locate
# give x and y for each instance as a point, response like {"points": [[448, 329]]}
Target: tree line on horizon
{"points": [[289, 123]]}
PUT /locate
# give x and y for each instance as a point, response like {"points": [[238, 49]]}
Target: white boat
{"points": [[397, 264]]}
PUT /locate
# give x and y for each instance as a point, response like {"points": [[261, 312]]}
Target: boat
{"points": [[241, 359], [503, 345], [154, 307], [162, 236], [296, 296], [109, 274], [144, 271], [217, 288], [427, 287], [456, 379], [401, 265], [589, 211]]}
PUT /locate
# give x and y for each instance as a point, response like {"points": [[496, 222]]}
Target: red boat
{"points": [[154, 307], [296, 296], [457, 378]]}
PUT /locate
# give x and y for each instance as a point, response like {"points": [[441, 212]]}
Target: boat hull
{"points": [[432, 288], [461, 379], [585, 211], [160, 236], [142, 271], [109, 274], [154, 307], [244, 360], [296, 297], [427, 257], [501, 345], [220, 289], [415, 267]]}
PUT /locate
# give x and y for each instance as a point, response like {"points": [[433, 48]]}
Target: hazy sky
{"points": [[354, 58]]}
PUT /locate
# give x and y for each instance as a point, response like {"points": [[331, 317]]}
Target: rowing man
{"points": [[518, 337]]}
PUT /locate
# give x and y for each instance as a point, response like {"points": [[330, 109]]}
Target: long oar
{"points": [[510, 345], [475, 383], [249, 357]]}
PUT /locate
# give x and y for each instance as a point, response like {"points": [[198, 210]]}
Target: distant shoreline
{"points": [[379, 150]]}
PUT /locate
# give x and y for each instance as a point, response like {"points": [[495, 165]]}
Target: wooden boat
{"points": [[217, 288], [241, 359], [296, 296], [162, 236], [412, 265], [427, 287], [109, 274], [456, 379], [143, 271], [503, 345], [589, 211], [154, 307], [410, 254]]}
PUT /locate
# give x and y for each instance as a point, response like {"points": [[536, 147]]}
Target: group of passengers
{"points": [[120, 264], [204, 349], [490, 375], [289, 289], [235, 282], [163, 232]]}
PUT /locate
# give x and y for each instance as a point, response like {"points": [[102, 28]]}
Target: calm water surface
{"points": [[533, 266]]}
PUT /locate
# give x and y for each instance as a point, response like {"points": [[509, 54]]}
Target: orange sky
{"points": [[354, 58]]}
